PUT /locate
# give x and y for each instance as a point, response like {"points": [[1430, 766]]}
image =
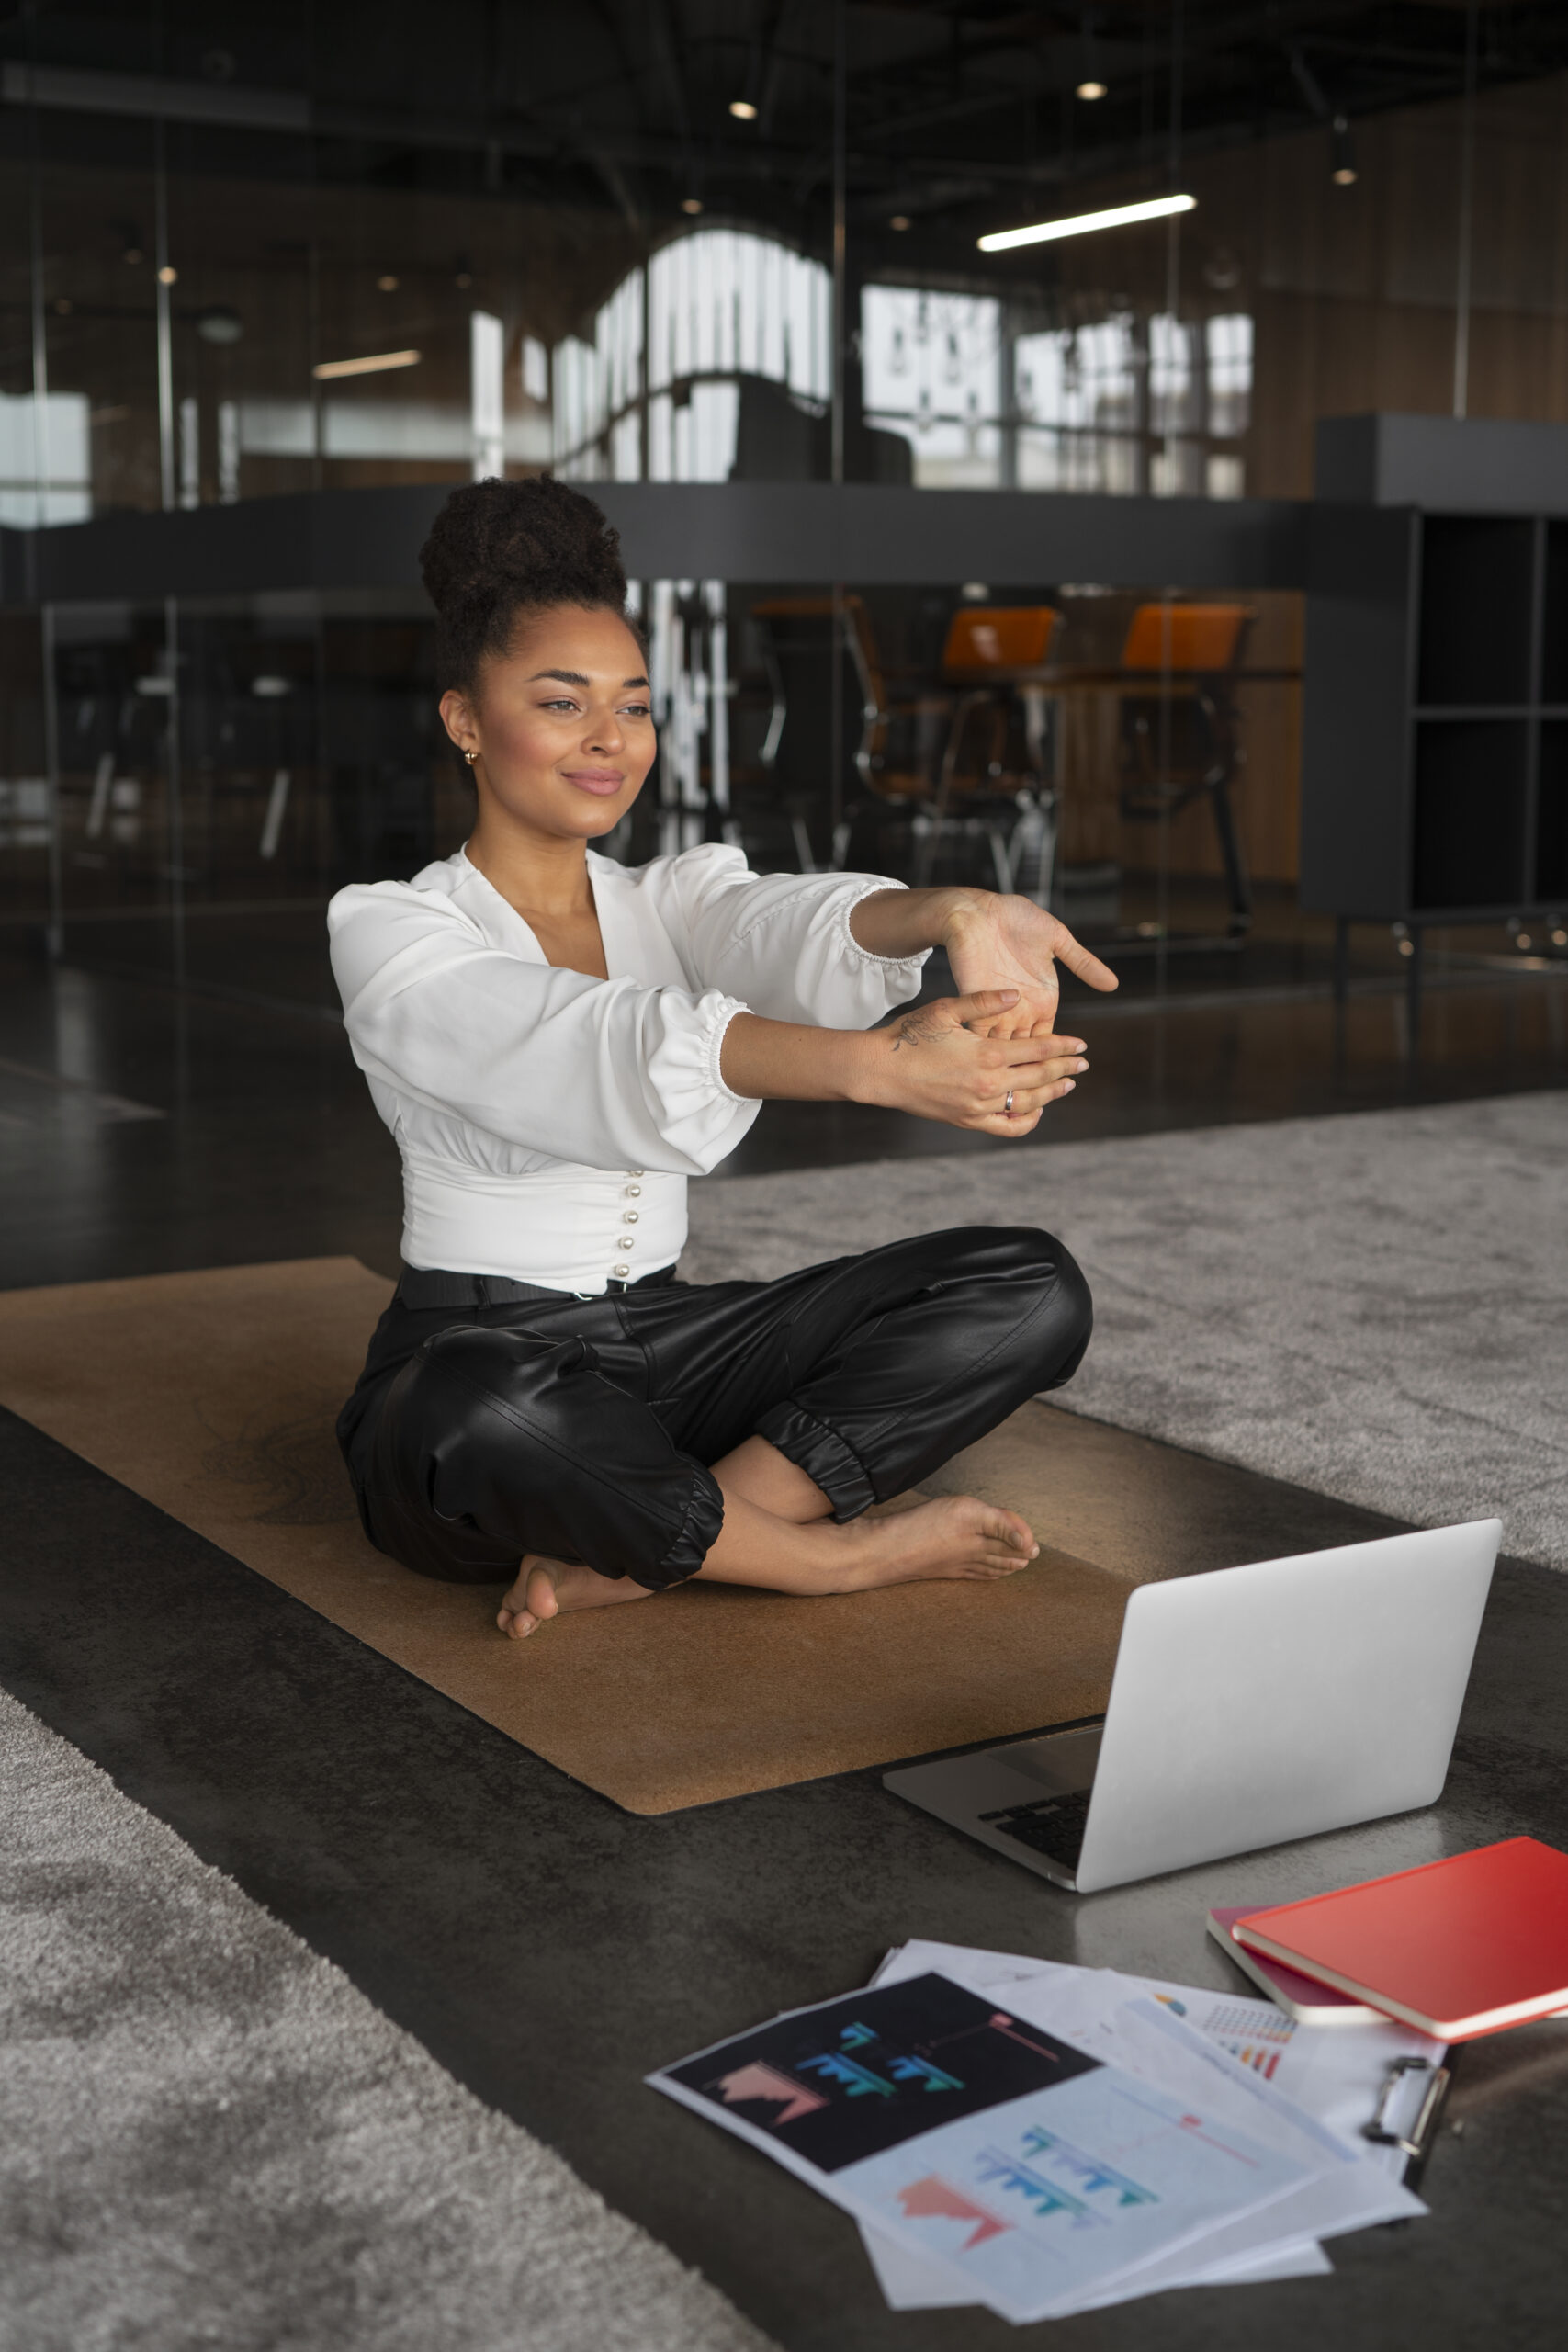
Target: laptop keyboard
{"points": [[1051, 1825]]}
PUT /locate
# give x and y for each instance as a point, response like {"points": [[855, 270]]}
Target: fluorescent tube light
{"points": [[371, 366], [1045, 232]]}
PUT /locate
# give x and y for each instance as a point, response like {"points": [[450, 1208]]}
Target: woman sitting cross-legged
{"points": [[557, 1042]]}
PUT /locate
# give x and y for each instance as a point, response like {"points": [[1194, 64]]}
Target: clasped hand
{"points": [[990, 1058], [952, 1060]]}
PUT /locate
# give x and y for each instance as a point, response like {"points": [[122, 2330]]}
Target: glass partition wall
{"points": [[249, 254]]}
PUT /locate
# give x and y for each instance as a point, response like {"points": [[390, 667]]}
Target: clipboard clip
{"points": [[1418, 2144]]}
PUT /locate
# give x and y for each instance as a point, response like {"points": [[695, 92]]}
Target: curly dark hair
{"points": [[499, 549]]}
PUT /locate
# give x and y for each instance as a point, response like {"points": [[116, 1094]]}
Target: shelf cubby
{"points": [[1555, 617], [1551, 815], [1472, 796], [1476, 596]]}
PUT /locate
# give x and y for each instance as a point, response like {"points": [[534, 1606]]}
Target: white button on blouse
{"points": [[518, 1093]]}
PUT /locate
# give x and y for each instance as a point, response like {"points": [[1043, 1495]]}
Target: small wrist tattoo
{"points": [[914, 1029]]}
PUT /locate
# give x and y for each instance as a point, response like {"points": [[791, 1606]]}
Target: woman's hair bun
{"points": [[498, 550]]}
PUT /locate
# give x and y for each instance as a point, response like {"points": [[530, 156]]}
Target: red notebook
{"points": [[1457, 1947]]}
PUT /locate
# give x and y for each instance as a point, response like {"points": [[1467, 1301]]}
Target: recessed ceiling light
{"points": [[63, 306], [899, 221], [387, 285], [1089, 91], [691, 203], [742, 109], [167, 274], [1344, 176], [131, 252], [463, 277], [1045, 232]]}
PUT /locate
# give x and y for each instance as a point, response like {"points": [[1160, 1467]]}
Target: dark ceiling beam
{"points": [[978, 102], [615, 179], [605, 164], [666, 51], [1307, 82], [758, 82]]}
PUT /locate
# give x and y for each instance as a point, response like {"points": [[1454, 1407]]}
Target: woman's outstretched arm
{"points": [[935, 1060]]}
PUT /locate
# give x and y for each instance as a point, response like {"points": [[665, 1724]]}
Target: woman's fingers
{"points": [[1027, 1103], [981, 1004], [1079, 960]]}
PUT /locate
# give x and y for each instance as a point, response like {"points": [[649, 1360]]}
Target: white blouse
{"points": [[549, 1121]]}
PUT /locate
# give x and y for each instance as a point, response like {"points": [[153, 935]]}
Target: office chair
{"points": [[996, 781], [798, 759], [1181, 741]]}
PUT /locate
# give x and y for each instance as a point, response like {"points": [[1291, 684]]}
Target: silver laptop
{"points": [[1250, 1706]]}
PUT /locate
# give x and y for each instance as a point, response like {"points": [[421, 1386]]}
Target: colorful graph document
{"points": [[1044, 2175], [1304, 2092]]}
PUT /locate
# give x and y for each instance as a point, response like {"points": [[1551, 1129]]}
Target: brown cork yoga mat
{"points": [[213, 1395]]}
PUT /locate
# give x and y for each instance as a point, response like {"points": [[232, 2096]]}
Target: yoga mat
{"points": [[213, 1395]]}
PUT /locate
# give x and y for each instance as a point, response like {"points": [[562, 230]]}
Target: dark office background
{"points": [[252, 258]]}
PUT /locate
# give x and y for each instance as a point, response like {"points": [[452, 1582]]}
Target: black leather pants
{"points": [[583, 1428]]}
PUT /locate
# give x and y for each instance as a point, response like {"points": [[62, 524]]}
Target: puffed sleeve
{"points": [[605, 1073], [782, 941]]}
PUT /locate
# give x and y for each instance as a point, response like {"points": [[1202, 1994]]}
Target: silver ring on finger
{"points": [[1007, 1106]]}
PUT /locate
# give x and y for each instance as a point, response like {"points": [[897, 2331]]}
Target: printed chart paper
{"points": [[1042, 2174], [1148, 2027]]}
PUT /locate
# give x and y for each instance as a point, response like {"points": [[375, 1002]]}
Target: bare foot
{"points": [[956, 1536], [544, 1588]]}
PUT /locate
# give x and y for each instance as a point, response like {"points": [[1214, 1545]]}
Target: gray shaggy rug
{"points": [[1374, 1305], [208, 2137]]}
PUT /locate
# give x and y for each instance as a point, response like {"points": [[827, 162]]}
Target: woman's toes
{"points": [[1015, 1533], [531, 1599], [540, 1599]]}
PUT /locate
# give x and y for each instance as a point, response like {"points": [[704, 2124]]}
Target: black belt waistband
{"points": [[424, 1289]]}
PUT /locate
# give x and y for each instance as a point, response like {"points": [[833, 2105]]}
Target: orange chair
{"points": [[996, 777], [998, 636], [1180, 735]]}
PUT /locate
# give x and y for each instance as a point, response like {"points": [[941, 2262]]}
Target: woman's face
{"points": [[563, 725]]}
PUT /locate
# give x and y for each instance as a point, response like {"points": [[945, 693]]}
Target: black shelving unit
{"points": [[1435, 750]]}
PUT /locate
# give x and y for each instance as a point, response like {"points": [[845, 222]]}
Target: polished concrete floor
{"points": [[549, 1948]]}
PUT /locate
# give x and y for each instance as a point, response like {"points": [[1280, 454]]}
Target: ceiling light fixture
{"points": [[386, 284], [371, 366], [1342, 154], [167, 274], [1045, 232], [691, 203], [1089, 91], [899, 221], [742, 109]]}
